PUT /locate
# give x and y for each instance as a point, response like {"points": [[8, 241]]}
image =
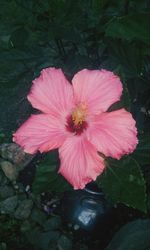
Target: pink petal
{"points": [[80, 162], [40, 132], [113, 134], [98, 89], [51, 92]]}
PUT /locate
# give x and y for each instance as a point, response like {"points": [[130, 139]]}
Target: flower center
{"points": [[76, 122], [78, 116]]}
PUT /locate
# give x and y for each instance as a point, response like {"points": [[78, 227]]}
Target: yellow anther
{"points": [[78, 115]]}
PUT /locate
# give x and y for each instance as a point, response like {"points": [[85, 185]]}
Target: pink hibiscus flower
{"points": [[75, 119]]}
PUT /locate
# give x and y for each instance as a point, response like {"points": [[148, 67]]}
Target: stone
{"points": [[6, 191], [9, 170], [64, 243], [8, 206], [24, 209], [3, 179], [15, 154], [3, 246]]}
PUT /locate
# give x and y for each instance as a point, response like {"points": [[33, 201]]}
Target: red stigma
{"points": [[75, 128]]}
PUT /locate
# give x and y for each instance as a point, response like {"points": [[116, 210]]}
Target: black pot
{"points": [[87, 210]]}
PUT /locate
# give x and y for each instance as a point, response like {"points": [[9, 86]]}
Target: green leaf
{"points": [[125, 99], [123, 103], [142, 152], [19, 38], [126, 58], [47, 178], [124, 182], [132, 236], [130, 27]]}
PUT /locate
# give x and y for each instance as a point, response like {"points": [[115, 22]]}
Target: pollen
{"points": [[79, 115], [76, 122]]}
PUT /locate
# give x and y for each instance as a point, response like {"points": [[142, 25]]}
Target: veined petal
{"points": [[51, 92], [80, 162], [98, 89], [114, 134], [40, 132]]}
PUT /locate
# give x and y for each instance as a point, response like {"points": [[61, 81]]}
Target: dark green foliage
{"points": [[47, 178], [133, 236], [130, 27], [123, 182], [142, 152]]}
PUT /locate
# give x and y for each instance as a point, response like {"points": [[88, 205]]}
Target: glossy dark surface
{"points": [[86, 209]]}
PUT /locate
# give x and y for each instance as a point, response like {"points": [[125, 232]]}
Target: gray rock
{"points": [[6, 191], [9, 170], [8, 206], [24, 209], [3, 179], [15, 154], [3, 246], [64, 243], [1, 176]]}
